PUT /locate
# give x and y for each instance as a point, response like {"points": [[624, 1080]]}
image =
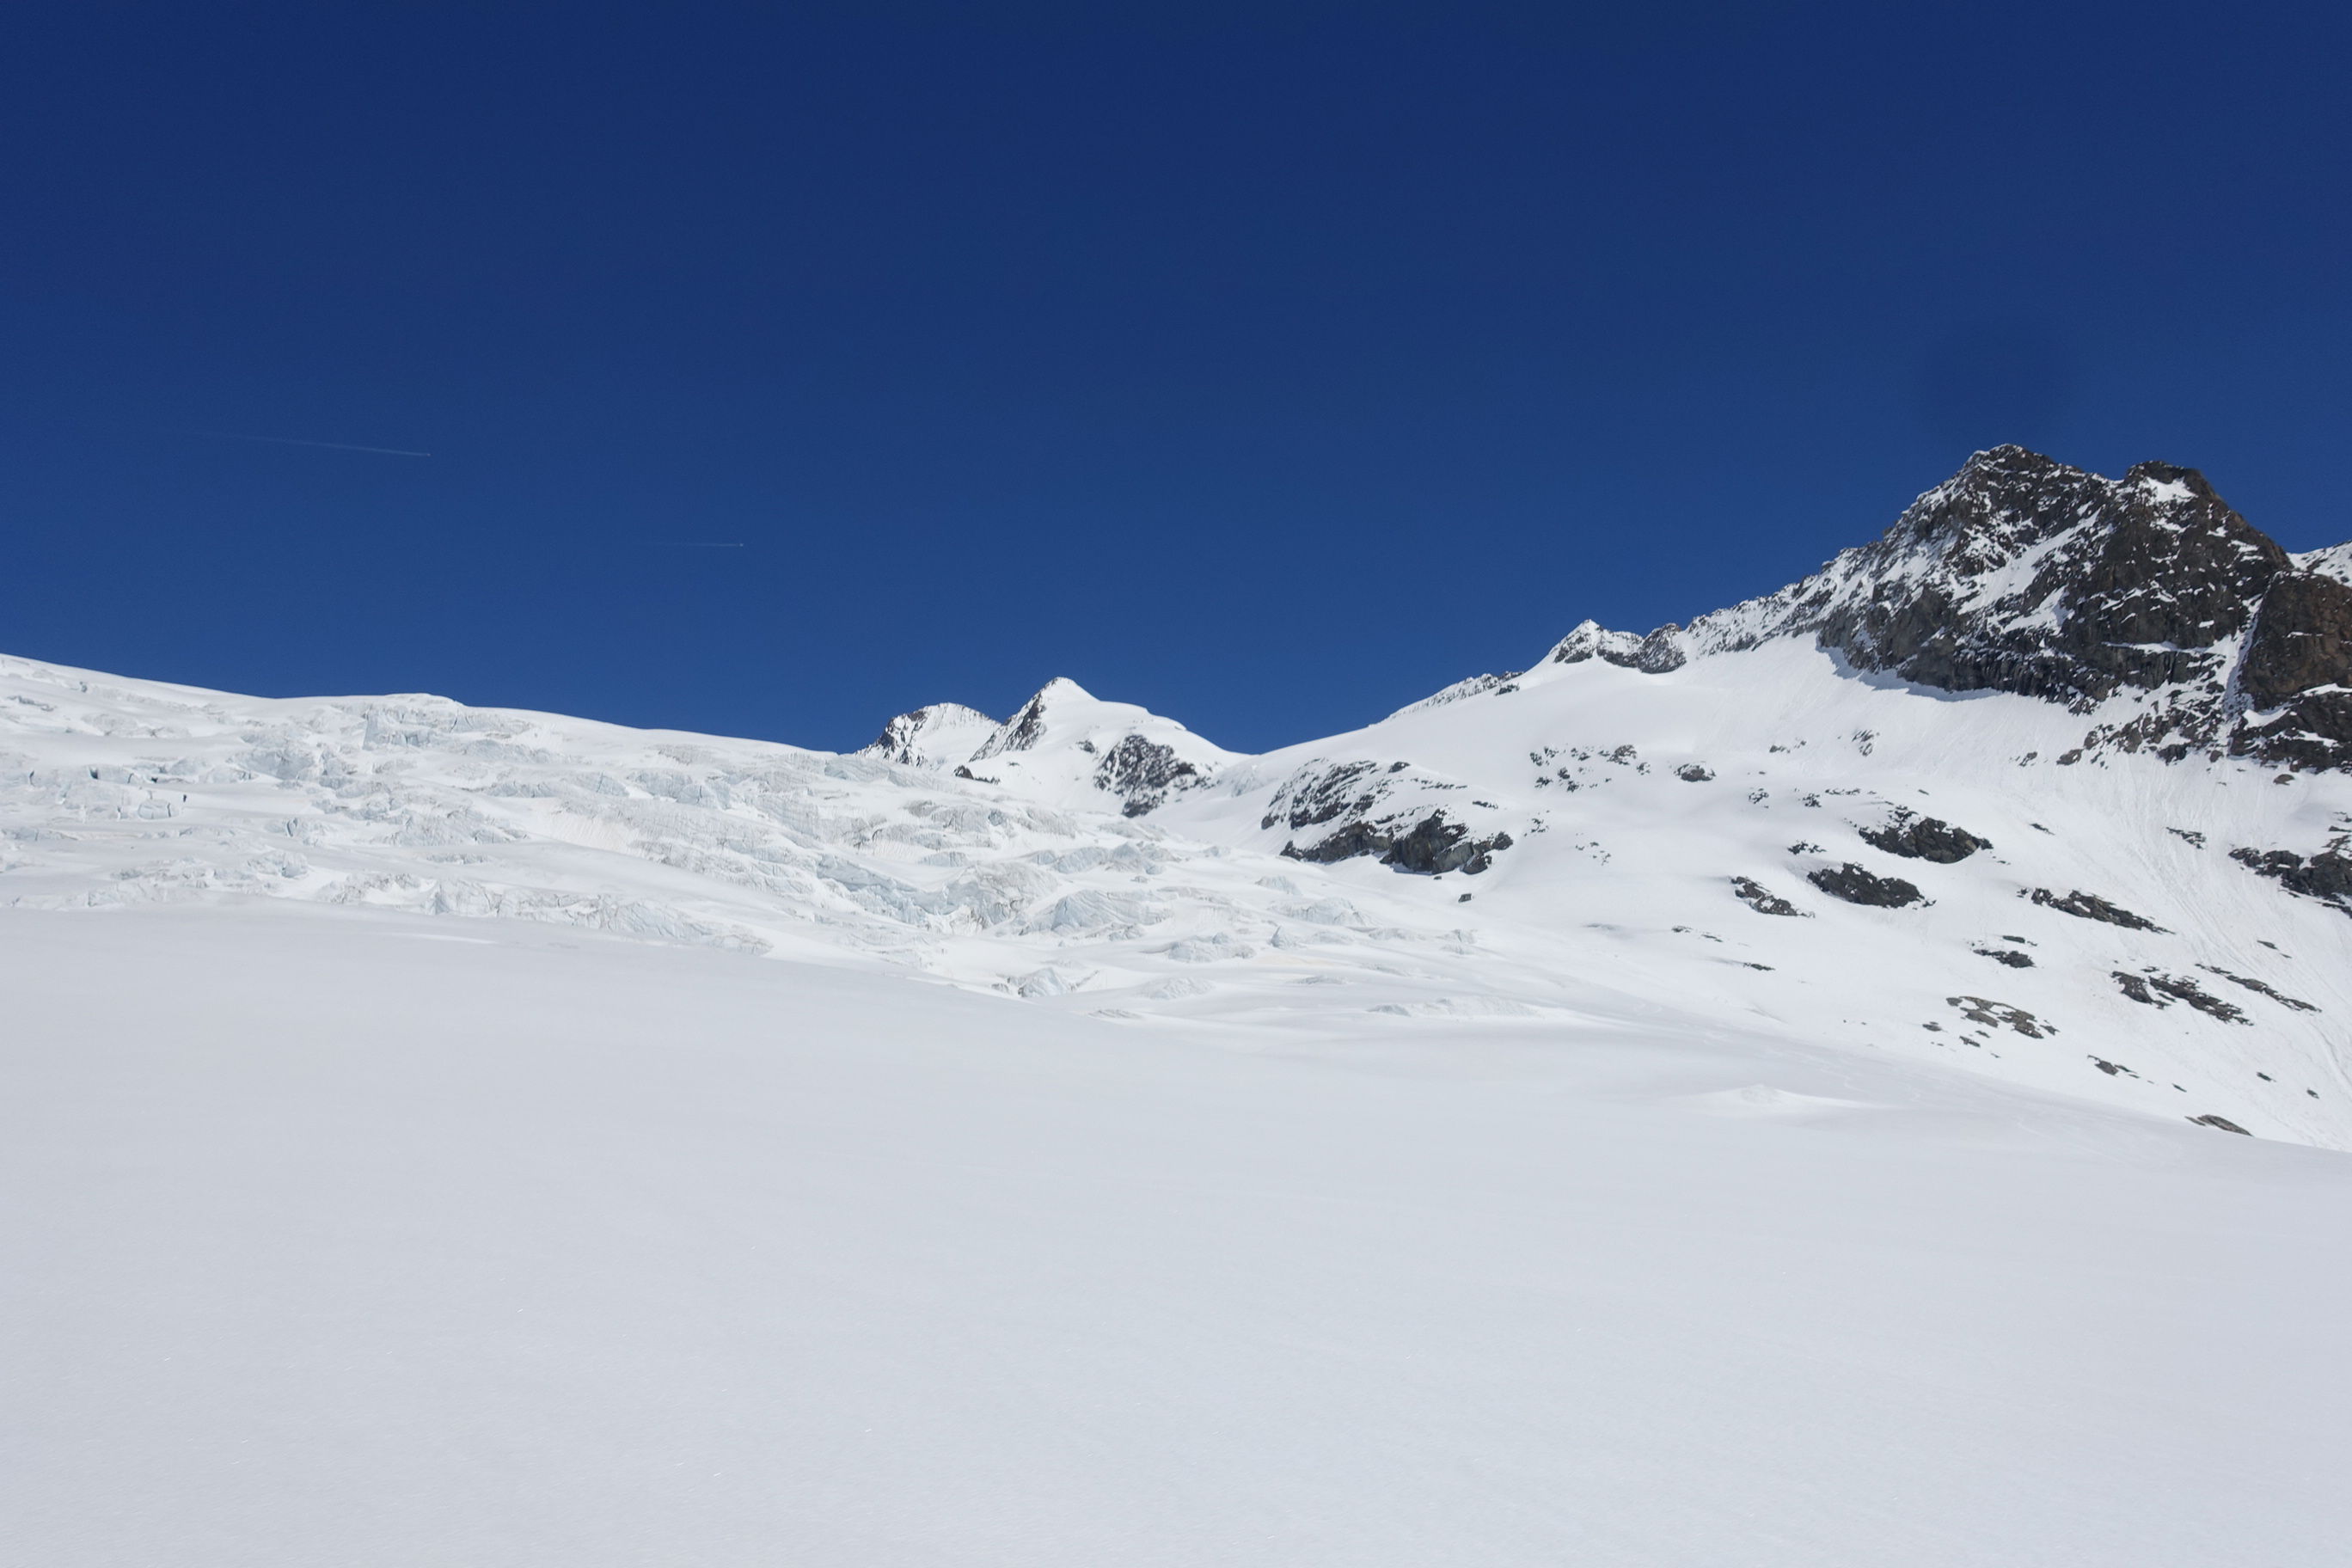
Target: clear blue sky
{"points": [[1268, 364]]}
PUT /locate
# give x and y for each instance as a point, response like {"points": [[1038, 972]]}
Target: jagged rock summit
{"points": [[2145, 601]]}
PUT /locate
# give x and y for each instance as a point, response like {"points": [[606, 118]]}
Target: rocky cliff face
{"points": [[2294, 682], [2145, 601], [2021, 574]]}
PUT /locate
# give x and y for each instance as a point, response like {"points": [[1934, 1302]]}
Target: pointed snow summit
{"points": [[1065, 742], [940, 735]]}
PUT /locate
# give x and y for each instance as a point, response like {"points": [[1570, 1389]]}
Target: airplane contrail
{"points": [[296, 441]]}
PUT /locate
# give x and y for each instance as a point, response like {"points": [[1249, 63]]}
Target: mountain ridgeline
{"points": [[2052, 783], [2145, 604]]}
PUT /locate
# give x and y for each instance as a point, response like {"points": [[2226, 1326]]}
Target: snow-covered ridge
{"points": [[942, 735], [2334, 561], [1765, 830]]}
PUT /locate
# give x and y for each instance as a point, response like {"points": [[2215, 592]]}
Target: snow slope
{"points": [[1614, 900], [355, 1237], [1633, 799], [2133, 884]]}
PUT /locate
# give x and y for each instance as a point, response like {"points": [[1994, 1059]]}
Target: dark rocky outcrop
{"points": [[2223, 1122], [1145, 773], [1995, 1014], [2302, 638], [2295, 679], [1375, 813], [2010, 956], [2327, 875], [2162, 990], [1436, 845], [1429, 847], [2262, 988], [1354, 839], [1856, 886], [2091, 907], [1923, 839], [1317, 795], [1754, 894]]}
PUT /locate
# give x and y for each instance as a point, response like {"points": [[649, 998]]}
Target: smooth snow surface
{"points": [[328, 1245]]}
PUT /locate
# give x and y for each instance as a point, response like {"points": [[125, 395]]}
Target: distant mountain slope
{"points": [[2047, 784]]}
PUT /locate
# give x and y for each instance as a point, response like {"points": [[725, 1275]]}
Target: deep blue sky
{"points": [[1268, 364]]}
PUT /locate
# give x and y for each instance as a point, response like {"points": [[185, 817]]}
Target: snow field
{"points": [[353, 1235], [1614, 903]]}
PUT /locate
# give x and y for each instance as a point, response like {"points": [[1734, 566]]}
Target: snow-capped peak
{"points": [[1075, 749], [939, 736]]}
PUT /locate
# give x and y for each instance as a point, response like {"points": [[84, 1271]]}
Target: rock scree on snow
{"points": [[1923, 839], [2091, 907], [1858, 886]]}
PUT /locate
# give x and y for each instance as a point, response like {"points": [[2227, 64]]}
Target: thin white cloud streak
{"points": [[298, 441]]}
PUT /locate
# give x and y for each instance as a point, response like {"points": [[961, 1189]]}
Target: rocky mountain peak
{"points": [[2168, 476], [2148, 600], [2021, 573]]}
